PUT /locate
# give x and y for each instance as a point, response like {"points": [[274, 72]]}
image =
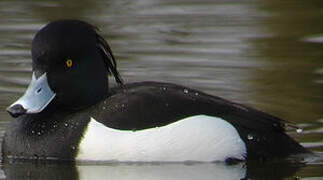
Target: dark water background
{"points": [[266, 54]]}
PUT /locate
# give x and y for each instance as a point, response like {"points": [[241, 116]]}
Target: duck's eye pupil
{"points": [[69, 63]]}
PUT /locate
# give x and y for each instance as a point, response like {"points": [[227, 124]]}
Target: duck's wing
{"points": [[144, 105]]}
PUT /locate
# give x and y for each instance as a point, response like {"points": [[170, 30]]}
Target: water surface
{"points": [[265, 54]]}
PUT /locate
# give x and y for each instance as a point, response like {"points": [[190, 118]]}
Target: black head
{"points": [[74, 60]]}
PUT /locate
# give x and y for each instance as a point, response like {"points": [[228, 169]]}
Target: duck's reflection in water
{"points": [[164, 171]]}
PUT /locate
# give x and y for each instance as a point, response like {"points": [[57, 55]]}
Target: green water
{"points": [[265, 54]]}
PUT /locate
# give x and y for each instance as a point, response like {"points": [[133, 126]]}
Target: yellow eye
{"points": [[69, 63]]}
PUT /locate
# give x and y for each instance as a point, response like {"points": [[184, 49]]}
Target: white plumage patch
{"points": [[196, 138]]}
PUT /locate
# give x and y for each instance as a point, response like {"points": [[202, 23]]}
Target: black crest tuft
{"points": [[109, 59]]}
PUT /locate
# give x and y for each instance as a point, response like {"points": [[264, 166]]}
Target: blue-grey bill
{"points": [[37, 96]]}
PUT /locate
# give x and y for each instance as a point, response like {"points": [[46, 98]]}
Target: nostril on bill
{"points": [[39, 90], [16, 110]]}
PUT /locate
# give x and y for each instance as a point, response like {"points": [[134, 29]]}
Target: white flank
{"points": [[196, 138]]}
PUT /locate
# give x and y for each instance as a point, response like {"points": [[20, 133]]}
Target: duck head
{"points": [[70, 65]]}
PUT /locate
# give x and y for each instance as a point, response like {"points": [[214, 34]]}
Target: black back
{"points": [[151, 104]]}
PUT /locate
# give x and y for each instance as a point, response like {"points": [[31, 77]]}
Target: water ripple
{"points": [[15, 80]]}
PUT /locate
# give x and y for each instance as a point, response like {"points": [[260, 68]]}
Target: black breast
{"points": [[42, 136]]}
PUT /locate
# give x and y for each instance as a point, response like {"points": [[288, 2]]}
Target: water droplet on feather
{"points": [[250, 137]]}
